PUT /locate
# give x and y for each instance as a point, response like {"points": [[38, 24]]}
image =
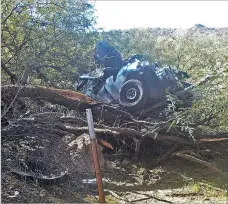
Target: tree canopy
{"points": [[46, 42]]}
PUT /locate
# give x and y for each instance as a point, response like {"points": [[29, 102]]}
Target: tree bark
{"points": [[70, 99]]}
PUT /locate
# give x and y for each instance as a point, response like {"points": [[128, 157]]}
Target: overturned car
{"points": [[133, 83]]}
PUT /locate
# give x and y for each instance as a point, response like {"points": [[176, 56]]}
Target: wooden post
{"points": [[95, 156]]}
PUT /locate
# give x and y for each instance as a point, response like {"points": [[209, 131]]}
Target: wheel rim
{"points": [[132, 94]]}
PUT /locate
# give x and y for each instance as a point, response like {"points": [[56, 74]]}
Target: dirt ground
{"points": [[176, 181], [128, 181]]}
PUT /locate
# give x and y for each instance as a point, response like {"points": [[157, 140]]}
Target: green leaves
{"points": [[48, 42], [200, 54], [50, 33]]}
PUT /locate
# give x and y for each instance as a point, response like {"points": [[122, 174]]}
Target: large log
{"points": [[70, 99]]}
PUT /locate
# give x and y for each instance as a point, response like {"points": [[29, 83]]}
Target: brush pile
{"points": [[45, 134]]}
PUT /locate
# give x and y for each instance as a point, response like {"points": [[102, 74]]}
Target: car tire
{"points": [[133, 95]]}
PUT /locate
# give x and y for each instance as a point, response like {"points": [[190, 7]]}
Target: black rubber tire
{"points": [[141, 99]]}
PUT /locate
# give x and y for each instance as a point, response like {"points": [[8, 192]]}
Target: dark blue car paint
{"points": [[155, 79]]}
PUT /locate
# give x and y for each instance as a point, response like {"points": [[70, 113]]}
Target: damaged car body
{"points": [[135, 85]]}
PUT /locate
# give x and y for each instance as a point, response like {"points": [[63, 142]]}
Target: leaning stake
{"points": [[95, 156]]}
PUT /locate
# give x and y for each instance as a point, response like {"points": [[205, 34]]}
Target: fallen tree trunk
{"points": [[70, 99]]}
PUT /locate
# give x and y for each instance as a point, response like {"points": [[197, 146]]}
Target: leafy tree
{"points": [[202, 52], [46, 42]]}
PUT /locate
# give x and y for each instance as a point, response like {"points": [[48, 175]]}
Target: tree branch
{"points": [[12, 76], [196, 160], [10, 14]]}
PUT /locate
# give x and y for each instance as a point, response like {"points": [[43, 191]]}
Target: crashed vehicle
{"points": [[135, 85]]}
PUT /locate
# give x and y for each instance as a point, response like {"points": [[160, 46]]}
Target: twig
{"points": [[191, 153], [153, 197], [212, 139], [140, 200], [186, 194]]}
